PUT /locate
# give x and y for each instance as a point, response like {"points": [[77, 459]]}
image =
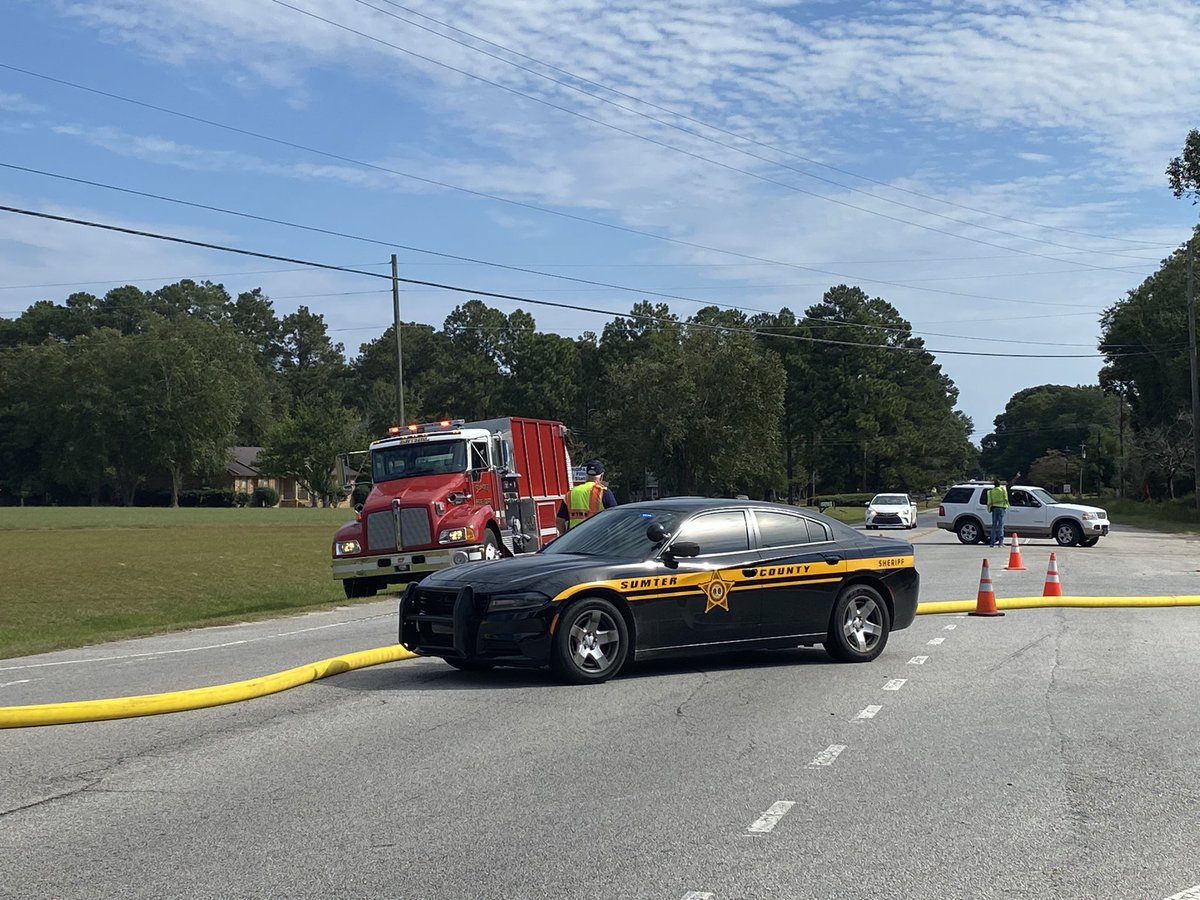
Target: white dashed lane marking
{"points": [[20, 681], [869, 712], [698, 895], [150, 655], [827, 756], [1192, 893], [768, 820], [950, 627], [895, 684], [918, 660], [936, 641]]}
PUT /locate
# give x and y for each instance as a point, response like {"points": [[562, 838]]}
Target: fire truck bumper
{"points": [[419, 562]]}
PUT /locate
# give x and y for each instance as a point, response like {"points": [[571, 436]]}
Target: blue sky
{"points": [[993, 169]]}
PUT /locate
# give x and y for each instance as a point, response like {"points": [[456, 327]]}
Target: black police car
{"points": [[668, 578]]}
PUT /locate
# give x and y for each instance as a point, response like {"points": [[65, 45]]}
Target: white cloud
{"points": [[924, 97], [16, 103]]}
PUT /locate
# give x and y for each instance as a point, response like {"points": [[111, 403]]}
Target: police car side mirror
{"points": [[684, 548]]}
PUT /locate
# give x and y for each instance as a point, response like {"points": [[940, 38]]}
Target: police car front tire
{"points": [[859, 625], [590, 643]]}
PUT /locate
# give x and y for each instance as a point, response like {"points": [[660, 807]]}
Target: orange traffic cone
{"points": [[1014, 554], [1053, 587], [985, 602]]}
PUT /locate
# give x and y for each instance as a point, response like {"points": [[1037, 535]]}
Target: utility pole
{"points": [[1191, 311], [1121, 439], [399, 342]]}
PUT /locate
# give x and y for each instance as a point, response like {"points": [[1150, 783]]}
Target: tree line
{"points": [[102, 396], [1132, 430]]}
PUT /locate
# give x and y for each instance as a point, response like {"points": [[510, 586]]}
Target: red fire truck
{"points": [[445, 493]]}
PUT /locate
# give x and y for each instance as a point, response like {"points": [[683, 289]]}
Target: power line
{"points": [[672, 322], [164, 278], [725, 131], [665, 145], [693, 245], [379, 242]]}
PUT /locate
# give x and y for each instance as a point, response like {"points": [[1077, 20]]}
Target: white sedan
{"points": [[896, 510]]}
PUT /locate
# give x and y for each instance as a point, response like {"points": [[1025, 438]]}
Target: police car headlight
{"points": [[525, 600], [346, 548], [456, 535]]}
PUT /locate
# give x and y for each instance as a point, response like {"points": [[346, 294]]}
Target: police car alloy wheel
{"points": [[858, 628], [591, 642]]}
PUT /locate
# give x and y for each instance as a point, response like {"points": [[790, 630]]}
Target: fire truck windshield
{"points": [[418, 458]]}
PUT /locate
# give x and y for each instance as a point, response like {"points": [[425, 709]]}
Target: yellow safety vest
{"points": [[584, 501]]}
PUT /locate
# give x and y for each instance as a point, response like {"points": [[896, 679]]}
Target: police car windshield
{"points": [[418, 458], [618, 533]]}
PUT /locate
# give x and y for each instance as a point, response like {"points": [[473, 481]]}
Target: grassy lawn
{"points": [[1172, 515], [75, 576]]}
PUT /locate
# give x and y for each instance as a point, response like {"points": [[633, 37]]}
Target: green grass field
{"points": [[76, 576]]}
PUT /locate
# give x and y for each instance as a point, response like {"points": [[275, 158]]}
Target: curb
{"points": [[962, 606], [195, 698]]}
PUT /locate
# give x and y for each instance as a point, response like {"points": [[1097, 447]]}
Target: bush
{"points": [[210, 497], [265, 497], [240, 499]]}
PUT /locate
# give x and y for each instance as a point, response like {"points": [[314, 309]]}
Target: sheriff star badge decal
{"points": [[716, 589]]}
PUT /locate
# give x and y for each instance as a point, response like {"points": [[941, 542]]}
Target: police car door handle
{"points": [[832, 558], [749, 573]]}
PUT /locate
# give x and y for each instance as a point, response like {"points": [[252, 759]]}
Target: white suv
{"points": [[1032, 512]]}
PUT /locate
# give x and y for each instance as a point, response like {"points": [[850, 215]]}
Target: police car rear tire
{"points": [[590, 643], [859, 625]]}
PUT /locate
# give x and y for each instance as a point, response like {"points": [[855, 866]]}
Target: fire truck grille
{"points": [[414, 529]]}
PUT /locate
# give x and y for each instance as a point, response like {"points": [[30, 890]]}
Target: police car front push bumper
{"points": [[454, 623], [404, 562]]}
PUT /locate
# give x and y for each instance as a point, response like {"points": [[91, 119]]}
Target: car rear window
{"points": [[958, 495], [784, 530]]}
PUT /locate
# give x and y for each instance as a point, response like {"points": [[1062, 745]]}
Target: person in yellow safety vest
{"points": [[997, 504], [585, 499]]}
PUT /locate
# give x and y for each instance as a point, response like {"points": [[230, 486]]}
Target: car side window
{"points": [[983, 492], [777, 529], [1018, 498], [818, 531], [479, 454], [721, 532]]}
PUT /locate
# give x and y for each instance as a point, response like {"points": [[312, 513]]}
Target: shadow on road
{"points": [[431, 674]]}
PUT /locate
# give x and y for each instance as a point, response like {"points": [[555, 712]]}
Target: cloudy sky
{"points": [[993, 169]]}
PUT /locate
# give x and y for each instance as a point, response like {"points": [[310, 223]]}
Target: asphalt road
{"points": [[1049, 753]]}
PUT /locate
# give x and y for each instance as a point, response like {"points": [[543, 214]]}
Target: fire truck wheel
{"points": [[357, 588], [491, 546]]}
